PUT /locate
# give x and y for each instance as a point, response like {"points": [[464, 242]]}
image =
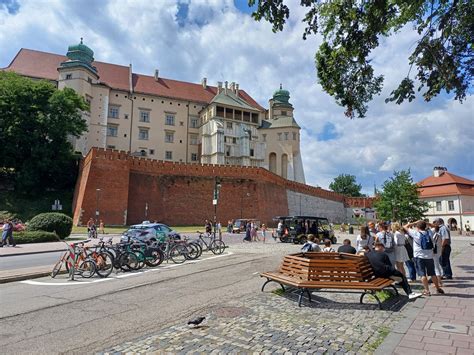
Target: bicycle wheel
{"points": [[57, 268], [104, 263], [178, 253], [217, 246], [87, 268], [154, 258], [128, 261], [141, 259], [194, 251]]}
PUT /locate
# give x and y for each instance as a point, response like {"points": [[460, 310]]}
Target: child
{"points": [[328, 247]]}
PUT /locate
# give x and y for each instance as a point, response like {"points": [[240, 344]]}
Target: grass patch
{"points": [[379, 338], [108, 230], [190, 229], [383, 295], [278, 292]]}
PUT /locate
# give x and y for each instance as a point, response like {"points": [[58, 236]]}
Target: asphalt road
{"points": [[54, 316], [27, 261]]}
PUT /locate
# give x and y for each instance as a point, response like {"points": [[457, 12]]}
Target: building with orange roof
{"points": [[165, 119], [450, 197]]}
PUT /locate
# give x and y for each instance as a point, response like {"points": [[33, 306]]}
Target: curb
{"points": [[33, 252]]}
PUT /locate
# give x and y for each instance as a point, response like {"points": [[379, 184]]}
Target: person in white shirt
{"points": [[386, 238], [364, 239], [328, 247], [401, 254]]}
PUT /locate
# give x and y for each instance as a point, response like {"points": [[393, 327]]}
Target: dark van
{"points": [[295, 229]]}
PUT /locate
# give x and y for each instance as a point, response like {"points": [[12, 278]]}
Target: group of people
{"points": [[422, 247], [92, 228], [7, 233], [252, 231]]}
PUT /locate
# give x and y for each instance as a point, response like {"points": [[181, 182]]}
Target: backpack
{"points": [[389, 244], [307, 247], [425, 241]]}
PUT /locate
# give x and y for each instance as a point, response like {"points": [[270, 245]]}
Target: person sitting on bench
{"points": [[383, 268]]}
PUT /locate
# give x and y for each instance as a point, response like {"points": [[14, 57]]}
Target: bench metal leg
{"points": [[270, 280], [373, 294], [396, 291], [300, 297]]}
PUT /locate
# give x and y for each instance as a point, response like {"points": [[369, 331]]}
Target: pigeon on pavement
{"points": [[196, 321]]}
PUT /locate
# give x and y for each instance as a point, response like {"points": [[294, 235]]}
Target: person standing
{"points": [[263, 232], [364, 239], [5, 232], [401, 255], [437, 253], [423, 251], [410, 263], [386, 238], [445, 248], [467, 227], [247, 237], [101, 227]]}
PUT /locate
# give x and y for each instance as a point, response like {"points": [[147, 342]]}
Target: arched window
{"points": [[272, 162], [284, 166]]}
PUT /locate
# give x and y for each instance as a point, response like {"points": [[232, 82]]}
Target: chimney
{"points": [[232, 87], [204, 83], [157, 74], [439, 170], [237, 89], [225, 87], [130, 78], [219, 87]]}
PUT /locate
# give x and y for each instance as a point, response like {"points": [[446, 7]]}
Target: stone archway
{"points": [[272, 162], [284, 166]]}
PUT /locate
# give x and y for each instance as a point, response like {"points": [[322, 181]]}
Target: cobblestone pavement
{"points": [[335, 323], [269, 323]]}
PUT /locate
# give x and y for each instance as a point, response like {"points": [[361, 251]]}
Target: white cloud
{"points": [[219, 42]]}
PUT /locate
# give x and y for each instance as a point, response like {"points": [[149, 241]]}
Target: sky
{"points": [[218, 39]]}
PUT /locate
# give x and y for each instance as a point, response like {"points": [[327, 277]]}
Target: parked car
{"points": [[298, 228], [149, 231], [240, 224]]}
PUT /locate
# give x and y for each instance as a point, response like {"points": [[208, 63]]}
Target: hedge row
{"points": [[34, 237]]}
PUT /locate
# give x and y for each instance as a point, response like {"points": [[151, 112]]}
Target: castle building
{"points": [[171, 120]]}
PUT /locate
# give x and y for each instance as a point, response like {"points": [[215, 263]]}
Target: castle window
{"points": [[89, 80], [168, 155], [143, 134], [169, 137], [229, 125], [279, 136], [251, 152], [193, 139], [152, 152], [451, 205], [238, 115], [234, 140], [112, 131], [110, 146], [181, 123], [194, 122], [68, 76], [264, 137], [194, 157], [286, 136], [246, 116], [438, 205], [113, 111], [295, 136], [219, 111], [169, 119], [144, 116], [283, 113], [125, 116], [255, 117]]}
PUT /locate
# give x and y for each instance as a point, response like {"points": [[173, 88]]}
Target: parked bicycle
{"points": [[75, 262], [212, 244]]}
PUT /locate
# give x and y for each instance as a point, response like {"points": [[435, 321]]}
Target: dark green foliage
{"points": [[52, 222], [399, 200], [36, 120], [26, 207], [26, 237], [347, 185], [443, 56]]}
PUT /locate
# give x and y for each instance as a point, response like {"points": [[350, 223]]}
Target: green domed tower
{"points": [[281, 98], [79, 55]]}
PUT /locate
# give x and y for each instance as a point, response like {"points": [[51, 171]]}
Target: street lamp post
{"points": [[97, 193], [217, 186]]}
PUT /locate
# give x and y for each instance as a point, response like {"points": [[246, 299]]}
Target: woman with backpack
{"points": [[401, 254]]}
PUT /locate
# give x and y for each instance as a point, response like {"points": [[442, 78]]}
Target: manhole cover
{"points": [[230, 312], [451, 328]]}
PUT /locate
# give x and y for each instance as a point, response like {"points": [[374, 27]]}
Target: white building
{"points": [[450, 197]]}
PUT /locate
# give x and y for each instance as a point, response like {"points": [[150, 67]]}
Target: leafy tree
{"points": [[443, 56], [399, 200], [347, 185], [36, 120]]}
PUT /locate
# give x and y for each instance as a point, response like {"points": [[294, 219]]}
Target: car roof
{"points": [[149, 225], [299, 217]]}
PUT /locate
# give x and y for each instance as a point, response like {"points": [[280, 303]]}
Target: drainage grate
{"points": [[450, 328]]}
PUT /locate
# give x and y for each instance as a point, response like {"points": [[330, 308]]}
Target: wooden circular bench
{"points": [[319, 270]]}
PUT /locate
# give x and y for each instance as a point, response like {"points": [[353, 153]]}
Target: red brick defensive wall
{"points": [[127, 190]]}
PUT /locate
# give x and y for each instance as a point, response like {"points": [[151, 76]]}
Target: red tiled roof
{"points": [[444, 179], [446, 185], [44, 65]]}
